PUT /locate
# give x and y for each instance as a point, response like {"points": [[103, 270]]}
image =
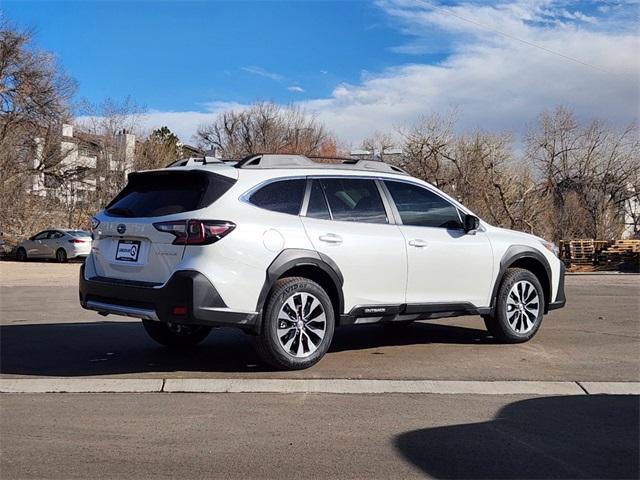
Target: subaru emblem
{"points": [[121, 228]]}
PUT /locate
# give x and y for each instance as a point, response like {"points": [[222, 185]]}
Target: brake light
{"points": [[195, 232], [75, 240]]}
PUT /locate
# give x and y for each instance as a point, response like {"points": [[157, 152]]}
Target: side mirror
{"points": [[471, 223]]}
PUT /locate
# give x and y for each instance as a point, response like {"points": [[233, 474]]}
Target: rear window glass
{"points": [[154, 194], [284, 196], [78, 233]]}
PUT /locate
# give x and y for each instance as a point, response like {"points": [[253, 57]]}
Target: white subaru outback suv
{"points": [[287, 249]]}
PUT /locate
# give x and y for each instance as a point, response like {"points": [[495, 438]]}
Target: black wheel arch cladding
{"points": [[511, 257], [293, 258]]}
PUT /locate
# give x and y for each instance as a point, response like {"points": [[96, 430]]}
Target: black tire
{"points": [[268, 344], [61, 255], [506, 321], [174, 334], [21, 255]]}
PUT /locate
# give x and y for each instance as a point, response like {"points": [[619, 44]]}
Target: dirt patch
{"points": [[16, 274]]}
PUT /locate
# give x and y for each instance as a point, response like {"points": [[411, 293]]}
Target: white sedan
{"points": [[60, 244]]}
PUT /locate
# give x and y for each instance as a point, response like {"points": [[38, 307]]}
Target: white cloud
{"points": [[261, 72], [295, 88], [495, 80]]}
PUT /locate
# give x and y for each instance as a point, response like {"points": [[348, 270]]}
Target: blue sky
{"points": [[181, 55], [360, 66]]}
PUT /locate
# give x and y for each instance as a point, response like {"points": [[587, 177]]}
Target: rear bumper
{"points": [[149, 301], [561, 299]]}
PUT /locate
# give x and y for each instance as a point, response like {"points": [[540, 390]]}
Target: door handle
{"points": [[331, 238], [418, 243]]}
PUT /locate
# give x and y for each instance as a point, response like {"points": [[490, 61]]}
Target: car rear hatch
{"points": [[132, 241]]}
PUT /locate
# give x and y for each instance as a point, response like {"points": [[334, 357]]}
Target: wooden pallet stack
{"points": [[589, 254], [622, 253], [582, 252]]}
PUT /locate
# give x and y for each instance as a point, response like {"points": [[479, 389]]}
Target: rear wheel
{"points": [[175, 334], [21, 254], [519, 307], [61, 255], [297, 326]]}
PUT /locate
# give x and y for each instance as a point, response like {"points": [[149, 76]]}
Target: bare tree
{"points": [[112, 124], [34, 101], [379, 144], [589, 172], [264, 127]]}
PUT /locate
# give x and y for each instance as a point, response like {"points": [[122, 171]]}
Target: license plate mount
{"points": [[128, 250]]}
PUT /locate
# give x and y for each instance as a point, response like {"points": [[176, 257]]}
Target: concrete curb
{"points": [[80, 385], [611, 388], [602, 273], [334, 386], [344, 386]]}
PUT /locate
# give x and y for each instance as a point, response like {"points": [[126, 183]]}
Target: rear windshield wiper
{"points": [[121, 212]]}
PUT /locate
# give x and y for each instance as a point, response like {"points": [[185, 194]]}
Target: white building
{"points": [[83, 160]]}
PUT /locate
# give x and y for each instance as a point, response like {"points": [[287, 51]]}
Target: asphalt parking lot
{"points": [[44, 334]]}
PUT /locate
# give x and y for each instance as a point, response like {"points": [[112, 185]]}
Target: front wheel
{"points": [[519, 307], [175, 334], [297, 326], [21, 255]]}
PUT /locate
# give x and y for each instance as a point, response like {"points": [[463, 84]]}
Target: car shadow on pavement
{"points": [[586, 436], [113, 348]]}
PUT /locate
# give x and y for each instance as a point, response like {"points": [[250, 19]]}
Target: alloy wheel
{"points": [[302, 324], [523, 306]]}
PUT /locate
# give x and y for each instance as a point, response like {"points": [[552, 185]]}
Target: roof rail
{"points": [[194, 160], [263, 161], [374, 165]]}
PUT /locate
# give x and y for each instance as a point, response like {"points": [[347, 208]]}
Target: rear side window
{"points": [[354, 200], [421, 207], [284, 196], [154, 194], [317, 207]]}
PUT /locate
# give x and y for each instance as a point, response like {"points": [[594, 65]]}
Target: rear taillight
{"points": [[75, 240], [195, 232]]}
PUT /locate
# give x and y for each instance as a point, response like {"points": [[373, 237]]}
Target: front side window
{"points": [[284, 196], [421, 207], [354, 200], [42, 235]]}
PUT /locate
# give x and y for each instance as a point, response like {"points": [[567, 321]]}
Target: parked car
{"points": [[287, 249], [60, 244]]}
